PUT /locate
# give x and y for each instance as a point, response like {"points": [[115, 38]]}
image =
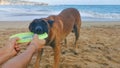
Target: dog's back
{"points": [[70, 19], [70, 13]]}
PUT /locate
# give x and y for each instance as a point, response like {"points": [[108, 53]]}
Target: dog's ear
{"points": [[50, 22]]}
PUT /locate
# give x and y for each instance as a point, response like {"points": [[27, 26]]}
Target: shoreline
{"points": [[13, 24], [25, 24]]}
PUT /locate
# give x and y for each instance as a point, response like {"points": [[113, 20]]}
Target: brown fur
{"points": [[68, 20]]}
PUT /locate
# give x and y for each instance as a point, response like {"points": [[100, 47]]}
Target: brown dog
{"points": [[57, 27]]}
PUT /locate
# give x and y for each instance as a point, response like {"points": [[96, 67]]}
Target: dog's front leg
{"points": [[57, 49], [37, 62]]}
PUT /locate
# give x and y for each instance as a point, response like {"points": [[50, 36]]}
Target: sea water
{"points": [[30, 12]]}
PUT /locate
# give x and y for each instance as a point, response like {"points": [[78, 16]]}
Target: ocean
{"points": [[30, 12]]}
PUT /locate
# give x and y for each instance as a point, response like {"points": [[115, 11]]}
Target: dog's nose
{"points": [[38, 30]]}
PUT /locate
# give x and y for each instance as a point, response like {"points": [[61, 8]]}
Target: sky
{"points": [[80, 2]]}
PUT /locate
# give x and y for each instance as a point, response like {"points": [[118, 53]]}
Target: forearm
{"points": [[4, 56], [22, 60], [1, 51]]}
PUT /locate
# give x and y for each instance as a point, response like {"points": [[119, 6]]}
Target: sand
{"points": [[99, 45]]}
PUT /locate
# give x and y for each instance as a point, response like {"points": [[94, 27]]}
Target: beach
{"points": [[99, 45]]}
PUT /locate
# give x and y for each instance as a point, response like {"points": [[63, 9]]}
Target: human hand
{"points": [[37, 43], [12, 48]]}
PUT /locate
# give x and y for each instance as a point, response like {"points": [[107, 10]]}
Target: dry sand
{"points": [[99, 45]]}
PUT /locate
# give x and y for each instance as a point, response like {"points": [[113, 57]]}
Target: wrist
{"points": [[6, 52], [32, 47], [10, 54], [7, 56]]}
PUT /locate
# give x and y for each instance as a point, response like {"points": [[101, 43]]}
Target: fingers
{"points": [[35, 36], [17, 48], [43, 41], [12, 43], [40, 40], [13, 40]]}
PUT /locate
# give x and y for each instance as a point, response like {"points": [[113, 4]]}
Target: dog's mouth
{"points": [[38, 30], [40, 26]]}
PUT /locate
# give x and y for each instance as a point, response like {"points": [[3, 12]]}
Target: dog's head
{"points": [[40, 26]]}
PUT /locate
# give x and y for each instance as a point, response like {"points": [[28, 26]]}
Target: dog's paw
{"points": [[75, 52], [64, 51]]}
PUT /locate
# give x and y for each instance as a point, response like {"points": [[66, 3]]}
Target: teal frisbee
{"points": [[27, 37]]}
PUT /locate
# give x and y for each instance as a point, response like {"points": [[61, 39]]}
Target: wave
{"points": [[34, 12], [100, 15], [22, 11], [88, 13]]}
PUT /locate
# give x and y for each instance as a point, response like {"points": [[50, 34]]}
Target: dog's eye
{"points": [[45, 23], [42, 21]]}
